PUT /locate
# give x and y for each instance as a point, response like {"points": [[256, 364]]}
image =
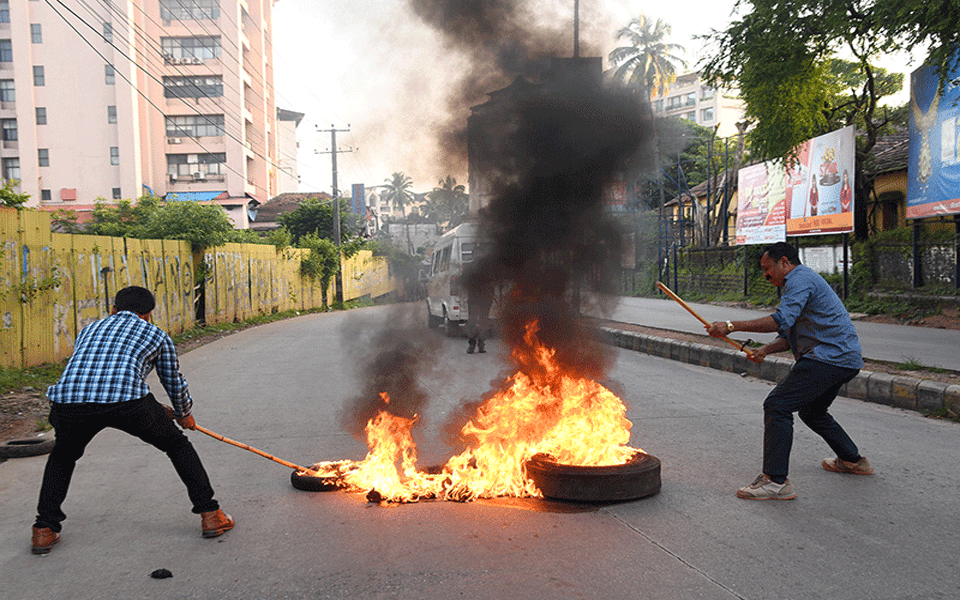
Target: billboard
{"points": [[819, 188], [933, 166], [358, 204], [761, 203]]}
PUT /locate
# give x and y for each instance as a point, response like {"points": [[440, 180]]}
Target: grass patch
{"points": [[38, 377], [910, 363]]}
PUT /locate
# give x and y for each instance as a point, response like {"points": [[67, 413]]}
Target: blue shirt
{"points": [[815, 322], [111, 359]]}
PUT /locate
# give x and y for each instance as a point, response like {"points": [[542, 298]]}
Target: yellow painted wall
{"points": [[52, 285]]}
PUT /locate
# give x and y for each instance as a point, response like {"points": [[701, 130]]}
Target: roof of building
{"points": [[284, 203], [891, 153], [289, 115]]}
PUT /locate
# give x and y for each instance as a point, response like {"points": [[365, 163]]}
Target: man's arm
{"points": [[762, 325]]}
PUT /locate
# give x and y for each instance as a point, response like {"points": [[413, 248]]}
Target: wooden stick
{"points": [[680, 301], [251, 449]]}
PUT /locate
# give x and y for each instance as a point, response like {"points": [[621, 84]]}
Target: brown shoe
{"points": [[43, 539], [215, 522], [838, 465]]}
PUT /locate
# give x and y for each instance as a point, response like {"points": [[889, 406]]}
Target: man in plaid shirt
{"points": [[103, 386]]}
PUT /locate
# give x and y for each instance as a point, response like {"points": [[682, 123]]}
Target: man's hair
{"points": [[135, 299], [781, 249]]}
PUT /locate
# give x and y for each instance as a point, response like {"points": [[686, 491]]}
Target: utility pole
{"points": [[336, 200]]}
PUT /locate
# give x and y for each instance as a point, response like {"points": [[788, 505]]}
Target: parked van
{"points": [[446, 297]]}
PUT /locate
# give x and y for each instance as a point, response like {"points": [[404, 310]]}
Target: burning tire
{"points": [[637, 478], [313, 483]]}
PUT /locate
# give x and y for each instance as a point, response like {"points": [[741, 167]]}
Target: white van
{"points": [[446, 297]]}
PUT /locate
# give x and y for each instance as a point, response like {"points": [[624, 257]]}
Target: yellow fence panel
{"points": [[38, 289], [64, 308], [11, 332]]}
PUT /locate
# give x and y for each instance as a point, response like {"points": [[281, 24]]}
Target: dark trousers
{"points": [[808, 390], [76, 424]]}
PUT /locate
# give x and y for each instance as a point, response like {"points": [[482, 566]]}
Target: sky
{"points": [[375, 68]]}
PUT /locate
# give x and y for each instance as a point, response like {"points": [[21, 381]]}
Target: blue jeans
{"points": [[76, 424], [808, 390]]}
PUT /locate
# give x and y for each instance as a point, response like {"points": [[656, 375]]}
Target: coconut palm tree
{"points": [[449, 201], [397, 192], [647, 64]]}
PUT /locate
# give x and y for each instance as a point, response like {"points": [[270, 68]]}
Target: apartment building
{"points": [[689, 98], [105, 99]]}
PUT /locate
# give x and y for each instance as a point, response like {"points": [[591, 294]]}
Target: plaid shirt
{"points": [[111, 359]]}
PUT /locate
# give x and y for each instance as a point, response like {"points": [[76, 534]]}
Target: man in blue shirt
{"points": [[813, 323], [103, 386]]}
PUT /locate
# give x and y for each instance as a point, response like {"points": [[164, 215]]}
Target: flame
{"points": [[576, 420]]}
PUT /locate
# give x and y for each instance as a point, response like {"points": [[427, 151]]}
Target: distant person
{"points": [[813, 323], [103, 386], [846, 194], [478, 320]]}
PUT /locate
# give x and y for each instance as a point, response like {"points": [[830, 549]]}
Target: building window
{"points": [[114, 155], [673, 102], [690, 116], [36, 33], [8, 92], [116, 193], [707, 92], [658, 106], [108, 32], [46, 196], [690, 99], [189, 10], [195, 126], [210, 86], [41, 115], [9, 127], [4, 11], [195, 166], [6, 51], [43, 157], [39, 79], [11, 169], [110, 76], [202, 47], [706, 115], [111, 114]]}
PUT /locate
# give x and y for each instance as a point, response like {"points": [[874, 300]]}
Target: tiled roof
{"points": [[890, 153], [284, 203]]}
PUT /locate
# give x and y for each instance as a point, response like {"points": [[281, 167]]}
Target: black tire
{"points": [[312, 483], [30, 446], [637, 478]]}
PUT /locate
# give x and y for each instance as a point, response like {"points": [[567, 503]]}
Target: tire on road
{"points": [[28, 446], [637, 478], [312, 483]]}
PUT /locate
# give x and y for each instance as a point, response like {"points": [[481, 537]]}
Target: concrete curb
{"points": [[892, 390]]}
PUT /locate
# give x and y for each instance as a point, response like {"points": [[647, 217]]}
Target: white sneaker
{"points": [[763, 488]]}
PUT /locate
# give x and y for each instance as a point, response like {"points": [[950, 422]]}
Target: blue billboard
{"points": [[933, 168]]}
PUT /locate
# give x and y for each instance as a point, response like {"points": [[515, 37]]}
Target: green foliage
{"points": [[65, 221], [30, 287], [38, 377], [647, 64], [9, 196], [123, 219], [323, 261], [204, 226], [280, 238], [315, 217], [448, 203]]}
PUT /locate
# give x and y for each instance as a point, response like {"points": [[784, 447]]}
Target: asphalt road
{"points": [[282, 388], [880, 341]]}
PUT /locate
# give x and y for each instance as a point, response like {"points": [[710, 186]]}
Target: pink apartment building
{"points": [[115, 99]]}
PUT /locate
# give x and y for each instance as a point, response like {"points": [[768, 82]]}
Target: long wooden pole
{"points": [[252, 449], [669, 292]]}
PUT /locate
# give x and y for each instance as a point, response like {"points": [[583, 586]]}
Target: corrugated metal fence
{"points": [[52, 284]]}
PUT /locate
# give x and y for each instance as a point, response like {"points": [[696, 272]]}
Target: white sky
{"points": [[374, 66]]}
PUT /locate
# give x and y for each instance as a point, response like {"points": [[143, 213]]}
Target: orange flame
{"points": [[576, 420]]}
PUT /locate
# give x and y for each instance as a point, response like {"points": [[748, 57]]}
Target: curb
{"points": [[892, 390]]}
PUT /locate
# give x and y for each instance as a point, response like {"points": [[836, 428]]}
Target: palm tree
{"points": [[648, 64], [449, 201], [397, 192]]}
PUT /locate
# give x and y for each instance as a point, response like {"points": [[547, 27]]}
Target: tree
{"points": [[123, 219], [448, 203], [315, 216], [397, 192], [10, 197], [204, 226], [647, 64], [782, 57]]}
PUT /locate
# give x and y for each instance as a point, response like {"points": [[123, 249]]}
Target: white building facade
{"points": [[117, 99], [689, 98]]}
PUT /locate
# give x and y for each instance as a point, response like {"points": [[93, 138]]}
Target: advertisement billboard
{"points": [[358, 203], [819, 185], [761, 203], [933, 167]]}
